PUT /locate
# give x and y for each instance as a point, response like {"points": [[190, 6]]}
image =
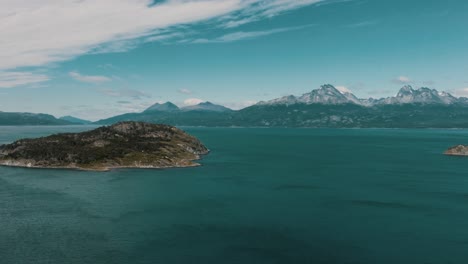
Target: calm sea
{"points": [[261, 196]]}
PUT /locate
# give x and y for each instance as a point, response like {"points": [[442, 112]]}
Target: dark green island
{"points": [[122, 145]]}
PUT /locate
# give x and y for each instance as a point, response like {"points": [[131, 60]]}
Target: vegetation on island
{"points": [[125, 144]]}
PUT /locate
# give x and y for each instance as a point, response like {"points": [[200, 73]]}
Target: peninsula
{"points": [[122, 145]]}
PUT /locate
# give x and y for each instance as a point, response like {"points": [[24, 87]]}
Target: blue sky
{"points": [[94, 59]]}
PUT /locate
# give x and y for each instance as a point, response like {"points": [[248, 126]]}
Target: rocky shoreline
{"points": [[459, 150]]}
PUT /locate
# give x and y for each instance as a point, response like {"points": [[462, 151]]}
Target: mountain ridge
{"points": [[75, 120], [329, 94], [33, 119]]}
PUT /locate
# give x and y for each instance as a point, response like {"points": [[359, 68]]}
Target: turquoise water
{"points": [[261, 196]]}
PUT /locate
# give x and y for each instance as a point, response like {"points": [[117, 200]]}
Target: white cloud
{"points": [[236, 36], [239, 105], [192, 101], [88, 78], [10, 79], [402, 80], [343, 89], [461, 92], [362, 24], [240, 22], [36, 33], [94, 113], [184, 91], [261, 9], [125, 92]]}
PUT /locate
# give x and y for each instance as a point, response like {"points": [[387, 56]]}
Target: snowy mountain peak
{"points": [[328, 89], [422, 95], [406, 90], [328, 94], [285, 100], [343, 89]]}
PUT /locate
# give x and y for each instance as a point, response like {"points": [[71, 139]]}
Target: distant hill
{"points": [[355, 116], [179, 118], [75, 120], [23, 119], [206, 106], [169, 113], [166, 107]]}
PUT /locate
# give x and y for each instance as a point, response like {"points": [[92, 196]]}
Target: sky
{"points": [[98, 58]]}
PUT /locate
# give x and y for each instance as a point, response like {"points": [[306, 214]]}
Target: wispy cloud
{"points": [[88, 78], [10, 79], [402, 80], [80, 27], [125, 92], [192, 101], [94, 113], [260, 9], [241, 35], [38, 33], [184, 91], [429, 83], [343, 89], [362, 24], [460, 92], [239, 22], [240, 104]]}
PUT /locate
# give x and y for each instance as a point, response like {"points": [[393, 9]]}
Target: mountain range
{"points": [[328, 94], [323, 107]]}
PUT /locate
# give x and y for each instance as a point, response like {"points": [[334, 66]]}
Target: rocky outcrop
{"points": [[459, 150], [123, 145]]}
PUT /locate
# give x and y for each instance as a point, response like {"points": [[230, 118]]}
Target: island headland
{"points": [[459, 150], [122, 145]]}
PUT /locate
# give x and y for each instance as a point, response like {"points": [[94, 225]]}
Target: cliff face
{"points": [[123, 145]]}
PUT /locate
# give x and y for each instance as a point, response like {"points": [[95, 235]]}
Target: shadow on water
{"points": [[244, 244], [293, 187]]}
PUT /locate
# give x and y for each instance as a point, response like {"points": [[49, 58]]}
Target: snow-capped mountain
{"points": [[285, 100], [206, 106], [423, 95], [328, 94]]}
